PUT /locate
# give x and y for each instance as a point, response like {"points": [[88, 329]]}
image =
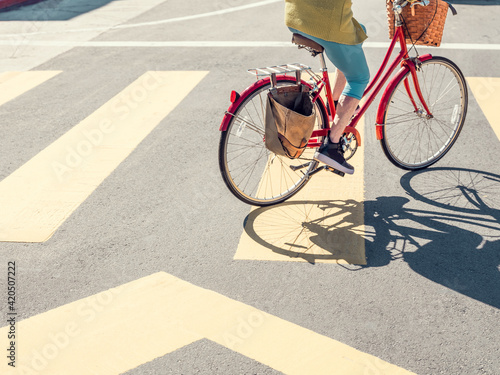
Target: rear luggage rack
{"points": [[280, 69], [273, 71]]}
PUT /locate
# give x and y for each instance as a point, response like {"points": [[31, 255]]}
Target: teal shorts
{"points": [[350, 60]]}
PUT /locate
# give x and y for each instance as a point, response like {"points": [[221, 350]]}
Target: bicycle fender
{"points": [[234, 106], [384, 101]]}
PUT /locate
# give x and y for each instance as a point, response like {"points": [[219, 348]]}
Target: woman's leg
{"points": [[345, 106], [338, 84], [345, 109], [351, 61], [351, 79]]}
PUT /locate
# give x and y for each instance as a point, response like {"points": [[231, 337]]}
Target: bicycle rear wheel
{"points": [[410, 139], [252, 173]]}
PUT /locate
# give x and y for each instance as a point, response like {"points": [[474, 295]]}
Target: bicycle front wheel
{"points": [[413, 141], [252, 173]]}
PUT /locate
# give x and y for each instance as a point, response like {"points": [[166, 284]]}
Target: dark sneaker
{"points": [[332, 154]]}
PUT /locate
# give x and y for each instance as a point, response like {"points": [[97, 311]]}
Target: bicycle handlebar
{"points": [[403, 3], [398, 5], [424, 3]]}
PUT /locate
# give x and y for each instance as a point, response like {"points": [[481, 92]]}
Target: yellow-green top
{"points": [[329, 20]]}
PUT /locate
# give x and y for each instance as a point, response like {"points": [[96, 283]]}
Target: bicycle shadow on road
{"points": [[456, 243], [312, 231], [452, 238]]}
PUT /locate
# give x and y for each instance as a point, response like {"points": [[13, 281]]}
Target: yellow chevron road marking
{"points": [[486, 90], [38, 197], [14, 84], [120, 329], [324, 222]]}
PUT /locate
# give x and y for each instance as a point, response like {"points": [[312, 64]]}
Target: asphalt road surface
{"points": [[126, 253]]}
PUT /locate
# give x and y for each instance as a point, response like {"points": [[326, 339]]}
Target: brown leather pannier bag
{"points": [[290, 118]]}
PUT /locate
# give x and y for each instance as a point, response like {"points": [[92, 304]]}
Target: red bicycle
{"points": [[419, 117]]}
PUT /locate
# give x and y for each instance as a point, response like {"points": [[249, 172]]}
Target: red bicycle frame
{"points": [[376, 84]]}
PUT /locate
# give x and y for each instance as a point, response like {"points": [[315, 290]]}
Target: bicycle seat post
{"points": [[322, 62]]}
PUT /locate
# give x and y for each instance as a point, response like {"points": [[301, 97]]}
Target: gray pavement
{"points": [[428, 300]]}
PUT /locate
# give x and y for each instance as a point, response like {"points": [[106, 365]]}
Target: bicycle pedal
{"points": [[340, 173]]}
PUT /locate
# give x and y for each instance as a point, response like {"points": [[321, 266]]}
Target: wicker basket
{"points": [[425, 27]]}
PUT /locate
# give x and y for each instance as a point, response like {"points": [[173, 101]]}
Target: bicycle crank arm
{"points": [[328, 168], [297, 167]]}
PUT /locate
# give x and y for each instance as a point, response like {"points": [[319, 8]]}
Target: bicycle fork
{"points": [[414, 66]]}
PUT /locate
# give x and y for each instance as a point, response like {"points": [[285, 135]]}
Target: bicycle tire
{"points": [[260, 166], [410, 140]]}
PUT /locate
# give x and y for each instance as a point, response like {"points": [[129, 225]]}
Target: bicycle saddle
{"points": [[302, 41]]}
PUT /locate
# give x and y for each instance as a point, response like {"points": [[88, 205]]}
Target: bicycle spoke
{"points": [[411, 140], [251, 124], [252, 173], [448, 89]]}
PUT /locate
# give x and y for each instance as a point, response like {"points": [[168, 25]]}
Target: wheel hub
{"points": [[422, 113]]}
